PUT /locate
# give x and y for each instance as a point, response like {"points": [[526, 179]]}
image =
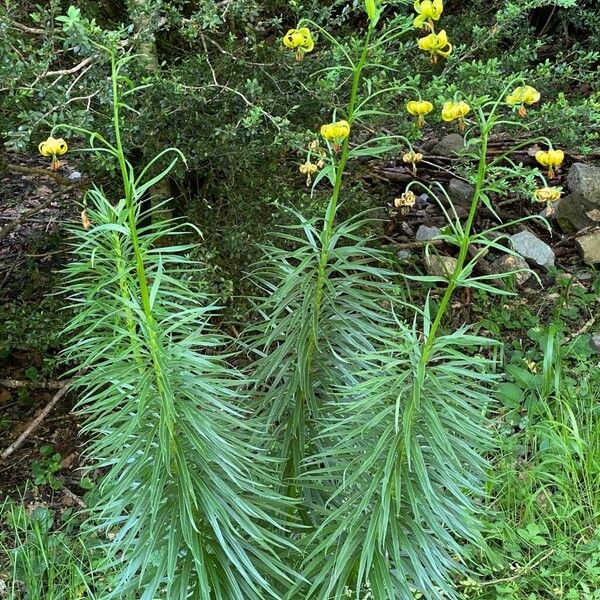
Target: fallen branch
{"points": [[37, 171], [73, 497], [416, 244], [14, 384], [583, 329], [36, 422]]}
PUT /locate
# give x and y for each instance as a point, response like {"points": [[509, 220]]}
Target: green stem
{"points": [[122, 271], [129, 196], [167, 412], [346, 145], [296, 426], [464, 246]]}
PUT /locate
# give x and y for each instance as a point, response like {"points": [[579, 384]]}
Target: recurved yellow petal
{"points": [[336, 131], [299, 39], [426, 9], [547, 194], [530, 95], [53, 147], [550, 158], [436, 44], [419, 108], [523, 95]]}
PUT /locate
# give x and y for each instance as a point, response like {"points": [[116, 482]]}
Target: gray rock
{"points": [[532, 248], [508, 262], [584, 179], [75, 176], [407, 230], [404, 255], [423, 200], [461, 192], [573, 213], [440, 266], [425, 233], [595, 343], [449, 145], [590, 247], [578, 209]]}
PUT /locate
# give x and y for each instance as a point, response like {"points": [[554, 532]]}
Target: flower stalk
{"points": [[296, 426]]}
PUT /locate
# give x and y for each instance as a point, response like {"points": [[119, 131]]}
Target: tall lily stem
{"points": [[296, 426], [464, 245], [130, 198]]}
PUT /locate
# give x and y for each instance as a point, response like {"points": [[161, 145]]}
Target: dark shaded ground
{"points": [[31, 255]]}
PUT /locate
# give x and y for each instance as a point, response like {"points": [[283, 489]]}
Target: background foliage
{"points": [[237, 107]]}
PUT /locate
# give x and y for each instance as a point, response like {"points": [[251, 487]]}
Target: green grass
{"points": [[44, 557], [43, 563], [542, 518]]}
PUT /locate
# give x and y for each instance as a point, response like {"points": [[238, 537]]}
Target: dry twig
{"points": [[36, 422], [14, 384]]}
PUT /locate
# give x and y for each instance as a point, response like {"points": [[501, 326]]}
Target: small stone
{"points": [[75, 175], [590, 247], [460, 192], [508, 262], [595, 343], [571, 213], [584, 179], [440, 266], [449, 145], [579, 209], [532, 248], [423, 200], [424, 233], [403, 255], [407, 229]]}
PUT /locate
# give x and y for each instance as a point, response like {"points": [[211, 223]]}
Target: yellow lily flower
{"points": [[452, 111], [523, 95], [547, 194], [413, 158], [419, 108], [336, 132], [299, 40], [53, 147], [551, 159], [436, 44], [406, 199], [427, 12], [308, 169]]}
